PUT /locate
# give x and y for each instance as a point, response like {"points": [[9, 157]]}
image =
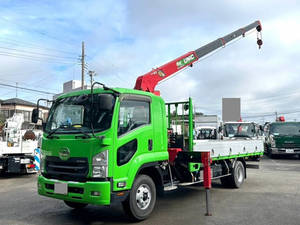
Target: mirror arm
{"points": [[38, 106]]}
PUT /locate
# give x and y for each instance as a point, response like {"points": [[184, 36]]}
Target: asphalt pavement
{"points": [[270, 195]]}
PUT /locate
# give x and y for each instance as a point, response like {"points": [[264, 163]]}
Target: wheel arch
{"points": [[152, 170]]}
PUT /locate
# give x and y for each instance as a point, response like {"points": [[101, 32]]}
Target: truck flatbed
{"points": [[226, 149]]}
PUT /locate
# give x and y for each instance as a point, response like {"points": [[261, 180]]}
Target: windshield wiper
{"points": [[84, 136], [50, 135]]}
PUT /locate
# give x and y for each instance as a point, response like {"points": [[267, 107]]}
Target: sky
{"points": [[40, 47]]}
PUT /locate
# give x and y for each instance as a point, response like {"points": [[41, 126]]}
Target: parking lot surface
{"points": [[270, 195]]}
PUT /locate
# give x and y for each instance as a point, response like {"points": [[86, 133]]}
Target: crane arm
{"points": [[148, 81]]}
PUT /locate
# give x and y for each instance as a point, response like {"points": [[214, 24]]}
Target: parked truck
{"points": [[245, 131], [17, 146], [283, 138], [111, 144]]}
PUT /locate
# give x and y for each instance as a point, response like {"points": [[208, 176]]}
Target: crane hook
{"points": [[259, 36], [259, 42]]}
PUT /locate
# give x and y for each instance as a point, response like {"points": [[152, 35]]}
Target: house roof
{"points": [[18, 101]]}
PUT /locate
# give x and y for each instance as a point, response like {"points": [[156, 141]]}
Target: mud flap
{"points": [[14, 165]]}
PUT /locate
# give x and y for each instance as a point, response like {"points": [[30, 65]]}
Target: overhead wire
{"points": [[39, 32], [37, 53], [44, 60], [33, 45], [27, 89]]}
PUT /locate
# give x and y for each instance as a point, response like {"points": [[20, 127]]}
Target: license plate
{"points": [[61, 188], [25, 161], [289, 150]]}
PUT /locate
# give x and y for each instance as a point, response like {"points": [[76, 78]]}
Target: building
{"points": [[231, 109], [16, 105], [72, 85], [207, 121]]}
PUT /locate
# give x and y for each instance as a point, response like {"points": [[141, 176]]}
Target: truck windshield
{"points": [[240, 130], [285, 128], [206, 133], [75, 114]]}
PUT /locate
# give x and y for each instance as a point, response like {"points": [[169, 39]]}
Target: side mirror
{"points": [[106, 102], [261, 127], [43, 126], [220, 129], [35, 116]]}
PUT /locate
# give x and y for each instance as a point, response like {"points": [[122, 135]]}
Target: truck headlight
{"points": [[100, 164], [273, 144], [42, 162]]}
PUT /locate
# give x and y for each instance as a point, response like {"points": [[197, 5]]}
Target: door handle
{"points": [[150, 144]]}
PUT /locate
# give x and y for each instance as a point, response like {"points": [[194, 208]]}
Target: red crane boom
{"points": [[148, 81]]}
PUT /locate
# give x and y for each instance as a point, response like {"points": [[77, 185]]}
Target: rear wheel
{"points": [[236, 179], [75, 205], [141, 200]]}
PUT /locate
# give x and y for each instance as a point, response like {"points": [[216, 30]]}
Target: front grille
{"points": [[73, 169], [290, 145]]}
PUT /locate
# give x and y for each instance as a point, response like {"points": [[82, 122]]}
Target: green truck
{"points": [[283, 138], [113, 144]]}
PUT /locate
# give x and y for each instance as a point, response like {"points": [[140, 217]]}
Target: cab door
{"points": [[134, 138]]}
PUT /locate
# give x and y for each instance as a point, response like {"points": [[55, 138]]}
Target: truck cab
{"points": [[206, 133], [283, 138], [96, 147], [241, 130]]}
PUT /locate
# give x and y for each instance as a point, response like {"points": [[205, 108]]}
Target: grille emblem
{"points": [[64, 153]]}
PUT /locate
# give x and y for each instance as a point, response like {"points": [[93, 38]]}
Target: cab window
{"points": [[133, 114]]}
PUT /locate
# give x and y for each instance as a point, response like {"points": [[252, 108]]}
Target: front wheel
{"points": [[141, 200], [75, 205]]}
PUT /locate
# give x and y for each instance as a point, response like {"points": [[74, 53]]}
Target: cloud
{"points": [[125, 39]]}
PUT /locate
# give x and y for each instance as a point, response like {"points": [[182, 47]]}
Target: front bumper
{"points": [[77, 191], [283, 151]]}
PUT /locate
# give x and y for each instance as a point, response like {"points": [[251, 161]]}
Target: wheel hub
{"points": [[240, 175], [143, 196]]}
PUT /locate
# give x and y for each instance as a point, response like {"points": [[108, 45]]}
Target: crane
{"points": [[148, 81]]}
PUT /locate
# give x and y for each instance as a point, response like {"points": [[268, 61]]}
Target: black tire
{"points": [[141, 200], [225, 181], [236, 179], [75, 205], [269, 153]]}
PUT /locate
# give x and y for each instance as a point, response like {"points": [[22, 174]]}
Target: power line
{"points": [[31, 56], [38, 32], [272, 114], [35, 58], [37, 53], [32, 84], [27, 89], [34, 45]]}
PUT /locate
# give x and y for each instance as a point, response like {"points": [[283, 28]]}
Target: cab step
{"points": [[190, 183]]}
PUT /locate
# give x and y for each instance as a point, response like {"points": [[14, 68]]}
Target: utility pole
{"points": [[276, 116], [92, 74], [82, 66]]}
